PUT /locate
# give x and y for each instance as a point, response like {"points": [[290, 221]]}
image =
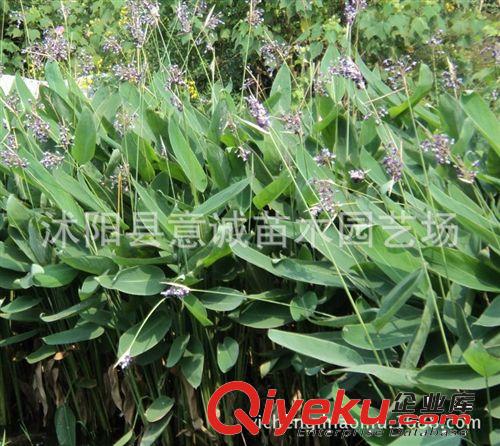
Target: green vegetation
{"points": [[303, 198]]}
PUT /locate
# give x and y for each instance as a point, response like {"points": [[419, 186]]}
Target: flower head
{"points": [[357, 175], [51, 160], [393, 163], [352, 7], [326, 195], [346, 68], [440, 146], [258, 112], [325, 157], [179, 291]]}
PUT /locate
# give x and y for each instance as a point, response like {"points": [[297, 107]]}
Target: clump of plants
{"points": [[329, 227]]}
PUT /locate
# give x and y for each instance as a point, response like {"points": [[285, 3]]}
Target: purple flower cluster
{"points": [[213, 21], [51, 160], [274, 53], [440, 146], [65, 137], [38, 127], [324, 158], [326, 196], [346, 68], [127, 73], [352, 8], [124, 121], [397, 70], [125, 362], [243, 153], [393, 162], [112, 45], [467, 174], [10, 158], [357, 175], [53, 46], [184, 17], [292, 122], [258, 112], [120, 177], [382, 112], [175, 76], [450, 79], [141, 15], [255, 15], [176, 291]]}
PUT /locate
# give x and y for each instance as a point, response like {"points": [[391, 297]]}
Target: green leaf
{"points": [[220, 199], [142, 337], [264, 315], [483, 118], [65, 426], [303, 306], [398, 296], [83, 332], [153, 431], [490, 316], [185, 157], [462, 269], [192, 363], [316, 347], [55, 79], [425, 83], [222, 299], [71, 311], [197, 309], [21, 303], [85, 138], [159, 408], [227, 354], [18, 338], [482, 361], [272, 191], [454, 376], [54, 276], [282, 87], [138, 281], [177, 349], [123, 441], [43, 352]]}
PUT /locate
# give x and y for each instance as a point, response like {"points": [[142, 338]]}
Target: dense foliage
{"points": [[303, 198]]}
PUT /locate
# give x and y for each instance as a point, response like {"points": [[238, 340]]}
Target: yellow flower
{"points": [[85, 82], [193, 92], [449, 6]]}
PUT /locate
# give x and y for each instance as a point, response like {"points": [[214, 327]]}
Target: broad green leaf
{"points": [[272, 191], [197, 309], [139, 281], [227, 354], [154, 430], [222, 299], [185, 157], [483, 118], [54, 276], [41, 353], [83, 332], [85, 138], [221, 198], [21, 303], [177, 349], [159, 408], [125, 440], [462, 269], [491, 315], [55, 79], [454, 376], [316, 347], [282, 86], [264, 315], [17, 338], [142, 337], [398, 296], [192, 362], [303, 306], [72, 310], [65, 426], [481, 360]]}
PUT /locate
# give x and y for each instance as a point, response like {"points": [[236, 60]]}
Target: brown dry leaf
{"points": [[58, 393], [114, 388], [128, 403], [40, 395]]}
